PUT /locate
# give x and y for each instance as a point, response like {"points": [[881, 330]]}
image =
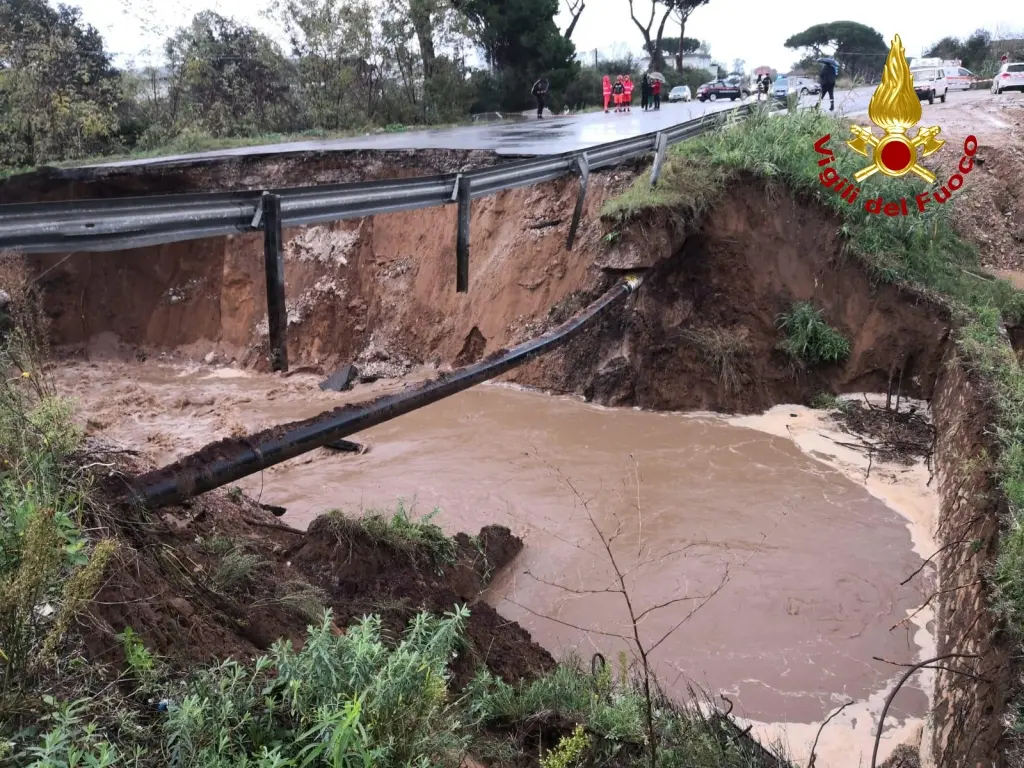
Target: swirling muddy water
{"points": [[777, 564]]}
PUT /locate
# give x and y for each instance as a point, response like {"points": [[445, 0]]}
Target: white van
{"points": [[930, 82], [959, 79]]}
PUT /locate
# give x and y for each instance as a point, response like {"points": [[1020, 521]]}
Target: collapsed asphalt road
{"points": [[515, 137]]}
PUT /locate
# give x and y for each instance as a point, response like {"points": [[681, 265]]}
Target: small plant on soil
{"points": [[809, 339], [569, 752], [723, 350], [235, 569], [215, 545], [303, 598]]}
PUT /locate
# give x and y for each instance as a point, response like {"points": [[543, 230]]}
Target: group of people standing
{"points": [[620, 93]]}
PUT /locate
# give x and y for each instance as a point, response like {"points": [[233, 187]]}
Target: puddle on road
{"points": [[765, 513]]}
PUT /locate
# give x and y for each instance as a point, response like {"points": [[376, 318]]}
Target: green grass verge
{"points": [[921, 250]]}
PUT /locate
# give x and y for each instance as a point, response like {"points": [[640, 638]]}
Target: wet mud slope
{"points": [[170, 585]]}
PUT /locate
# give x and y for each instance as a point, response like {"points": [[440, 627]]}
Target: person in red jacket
{"points": [[656, 93], [606, 89], [628, 96]]}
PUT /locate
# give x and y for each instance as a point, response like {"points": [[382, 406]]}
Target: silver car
{"points": [[680, 93], [1010, 77]]}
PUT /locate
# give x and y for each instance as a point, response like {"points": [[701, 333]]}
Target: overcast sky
{"points": [[735, 29]]}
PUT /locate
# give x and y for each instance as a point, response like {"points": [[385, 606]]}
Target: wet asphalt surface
{"points": [[519, 137]]}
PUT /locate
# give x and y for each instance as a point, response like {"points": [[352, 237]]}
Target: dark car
{"points": [[720, 89]]}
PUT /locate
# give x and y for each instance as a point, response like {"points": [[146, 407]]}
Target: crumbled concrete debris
{"points": [[179, 293], [323, 244]]}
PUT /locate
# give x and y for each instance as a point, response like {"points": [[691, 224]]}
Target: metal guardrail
{"points": [[135, 222]]}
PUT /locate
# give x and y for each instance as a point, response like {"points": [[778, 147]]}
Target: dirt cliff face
{"points": [[703, 331], [385, 283], [968, 707]]}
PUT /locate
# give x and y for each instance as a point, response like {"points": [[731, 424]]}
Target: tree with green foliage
{"points": [[689, 44], [859, 49], [227, 79], [973, 52], [59, 93], [681, 11], [332, 40], [522, 43]]}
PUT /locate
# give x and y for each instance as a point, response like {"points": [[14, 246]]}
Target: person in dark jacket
{"points": [[828, 85], [645, 92], [619, 94], [540, 90]]}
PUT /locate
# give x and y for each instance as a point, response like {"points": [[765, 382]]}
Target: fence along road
{"points": [[134, 222]]}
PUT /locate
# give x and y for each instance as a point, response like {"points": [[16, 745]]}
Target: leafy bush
{"points": [[809, 338], [341, 701], [46, 574]]}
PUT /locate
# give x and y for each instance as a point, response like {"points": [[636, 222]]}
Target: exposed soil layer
{"points": [[236, 173], [969, 707], [703, 334], [166, 586], [379, 291]]}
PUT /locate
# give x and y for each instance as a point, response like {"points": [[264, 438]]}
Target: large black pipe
{"points": [[229, 460]]}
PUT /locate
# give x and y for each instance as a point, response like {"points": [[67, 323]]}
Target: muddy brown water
{"points": [[803, 564]]}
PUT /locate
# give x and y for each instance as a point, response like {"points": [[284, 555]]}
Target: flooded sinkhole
{"points": [[804, 563]]}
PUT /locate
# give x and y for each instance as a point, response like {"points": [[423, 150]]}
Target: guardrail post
{"points": [[462, 237], [273, 260], [583, 169], [660, 145]]}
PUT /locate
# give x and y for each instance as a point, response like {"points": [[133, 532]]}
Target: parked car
{"points": [[787, 84], [930, 82], [1010, 77], [679, 93], [960, 79], [719, 89]]}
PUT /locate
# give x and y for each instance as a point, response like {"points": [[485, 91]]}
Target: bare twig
{"points": [[892, 695], [814, 746], [931, 597]]}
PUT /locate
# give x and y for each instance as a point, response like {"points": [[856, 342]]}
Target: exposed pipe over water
{"points": [[226, 461]]}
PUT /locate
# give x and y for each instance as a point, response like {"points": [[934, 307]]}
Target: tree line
{"points": [[348, 65]]}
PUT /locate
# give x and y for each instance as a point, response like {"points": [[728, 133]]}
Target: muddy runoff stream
{"points": [[777, 559]]}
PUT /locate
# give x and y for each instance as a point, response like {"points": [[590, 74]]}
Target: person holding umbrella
{"points": [[656, 92], [827, 78], [540, 90]]}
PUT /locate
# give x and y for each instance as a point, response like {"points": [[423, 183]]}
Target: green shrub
{"points": [[809, 338], [342, 700]]}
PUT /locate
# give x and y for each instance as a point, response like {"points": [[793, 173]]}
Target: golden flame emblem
{"points": [[895, 108]]}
